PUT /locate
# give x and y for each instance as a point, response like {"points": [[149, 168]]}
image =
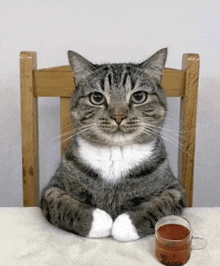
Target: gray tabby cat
{"points": [[114, 178]]}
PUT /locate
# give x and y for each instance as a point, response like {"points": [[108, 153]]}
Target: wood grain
{"points": [[188, 113], [29, 121]]}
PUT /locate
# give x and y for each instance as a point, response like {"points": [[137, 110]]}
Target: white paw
{"points": [[123, 229], [101, 224]]}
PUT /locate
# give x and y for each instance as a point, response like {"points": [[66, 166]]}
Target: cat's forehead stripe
{"points": [[116, 74], [110, 80], [125, 78]]}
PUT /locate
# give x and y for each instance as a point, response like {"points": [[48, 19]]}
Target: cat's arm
{"points": [[141, 220], [62, 210]]}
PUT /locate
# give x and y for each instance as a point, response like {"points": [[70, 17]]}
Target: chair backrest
{"points": [[59, 82]]}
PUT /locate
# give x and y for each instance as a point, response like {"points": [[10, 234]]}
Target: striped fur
{"points": [[114, 178]]}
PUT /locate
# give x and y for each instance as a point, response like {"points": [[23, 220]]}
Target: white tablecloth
{"points": [[26, 238]]}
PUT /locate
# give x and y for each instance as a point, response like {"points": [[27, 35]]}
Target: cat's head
{"points": [[118, 104]]}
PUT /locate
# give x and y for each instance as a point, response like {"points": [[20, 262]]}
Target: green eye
{"points": [[139, 97], [97, 98]]}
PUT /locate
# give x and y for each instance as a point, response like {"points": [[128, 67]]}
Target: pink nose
{"points": [[118, 118]]}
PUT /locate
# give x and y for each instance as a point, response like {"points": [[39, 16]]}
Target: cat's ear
{"points": [[154, 65], [81, 67]]}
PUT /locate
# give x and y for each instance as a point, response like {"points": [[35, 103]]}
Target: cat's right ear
{"points": [[154, 65], [80, 66]]}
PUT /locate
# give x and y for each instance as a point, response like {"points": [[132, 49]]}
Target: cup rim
{"points": [[173, 240]]}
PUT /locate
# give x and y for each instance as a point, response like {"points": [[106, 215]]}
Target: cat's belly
{"points": [[113, 163], [116, 200]]}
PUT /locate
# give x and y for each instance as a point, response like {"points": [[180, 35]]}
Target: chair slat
{"points": [[29, 121], [59, 82], [53, 83], [188, 112], [173, 82]]}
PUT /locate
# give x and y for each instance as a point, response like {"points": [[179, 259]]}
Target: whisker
{"points": [[69, 132], [62, 135], [175, 142], [68, 126], [171, 131], [70, 136], [174, 132]]}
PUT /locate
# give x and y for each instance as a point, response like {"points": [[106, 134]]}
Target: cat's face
{"points": [[118, 104]]}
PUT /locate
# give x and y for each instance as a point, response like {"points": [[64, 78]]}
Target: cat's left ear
{"points": [[154, 65], [81, 67]]}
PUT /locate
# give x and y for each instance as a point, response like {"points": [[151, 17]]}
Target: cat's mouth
{"points": [[124, 126], [119, 129]]}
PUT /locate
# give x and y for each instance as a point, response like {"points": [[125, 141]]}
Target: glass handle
{"points": [[198, 243]]}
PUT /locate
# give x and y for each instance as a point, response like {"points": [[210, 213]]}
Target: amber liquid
{"points": [[176, 252]]}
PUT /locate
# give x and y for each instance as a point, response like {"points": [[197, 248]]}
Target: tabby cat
{"points": [[114, 179]]}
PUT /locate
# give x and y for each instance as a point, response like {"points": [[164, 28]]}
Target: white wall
{"points": [[114, 31]]}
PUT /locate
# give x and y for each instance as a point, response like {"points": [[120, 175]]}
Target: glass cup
{"points": [[174, 240]]}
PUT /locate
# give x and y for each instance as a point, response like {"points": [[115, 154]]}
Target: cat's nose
{"points": [[118, 118]]}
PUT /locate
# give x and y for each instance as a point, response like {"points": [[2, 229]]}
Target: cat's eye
{"points": [[139, 97], [97, 98]]}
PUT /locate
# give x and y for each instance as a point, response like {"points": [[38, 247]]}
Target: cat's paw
{"points": [[101, 224], [123, 229]]}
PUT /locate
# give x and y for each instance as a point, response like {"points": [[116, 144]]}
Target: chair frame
{"points": [[59, 82]]}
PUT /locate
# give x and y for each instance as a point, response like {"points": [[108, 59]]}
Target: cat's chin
{"points": [[120, 138]]}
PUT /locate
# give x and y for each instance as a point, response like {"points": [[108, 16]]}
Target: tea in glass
{"points": [[173, 240]]}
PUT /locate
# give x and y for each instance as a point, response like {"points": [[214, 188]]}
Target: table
{"points": [[26, 238]]}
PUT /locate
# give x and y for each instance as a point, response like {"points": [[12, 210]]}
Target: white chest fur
{"points": [[113, 163]]}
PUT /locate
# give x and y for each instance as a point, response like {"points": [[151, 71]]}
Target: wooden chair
{"points": [[59, 82]]}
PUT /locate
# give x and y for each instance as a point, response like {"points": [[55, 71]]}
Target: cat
{"points": [[114, 179]]}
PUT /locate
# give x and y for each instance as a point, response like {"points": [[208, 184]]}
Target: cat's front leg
{"points": [[141, 221], [69, 214]]}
